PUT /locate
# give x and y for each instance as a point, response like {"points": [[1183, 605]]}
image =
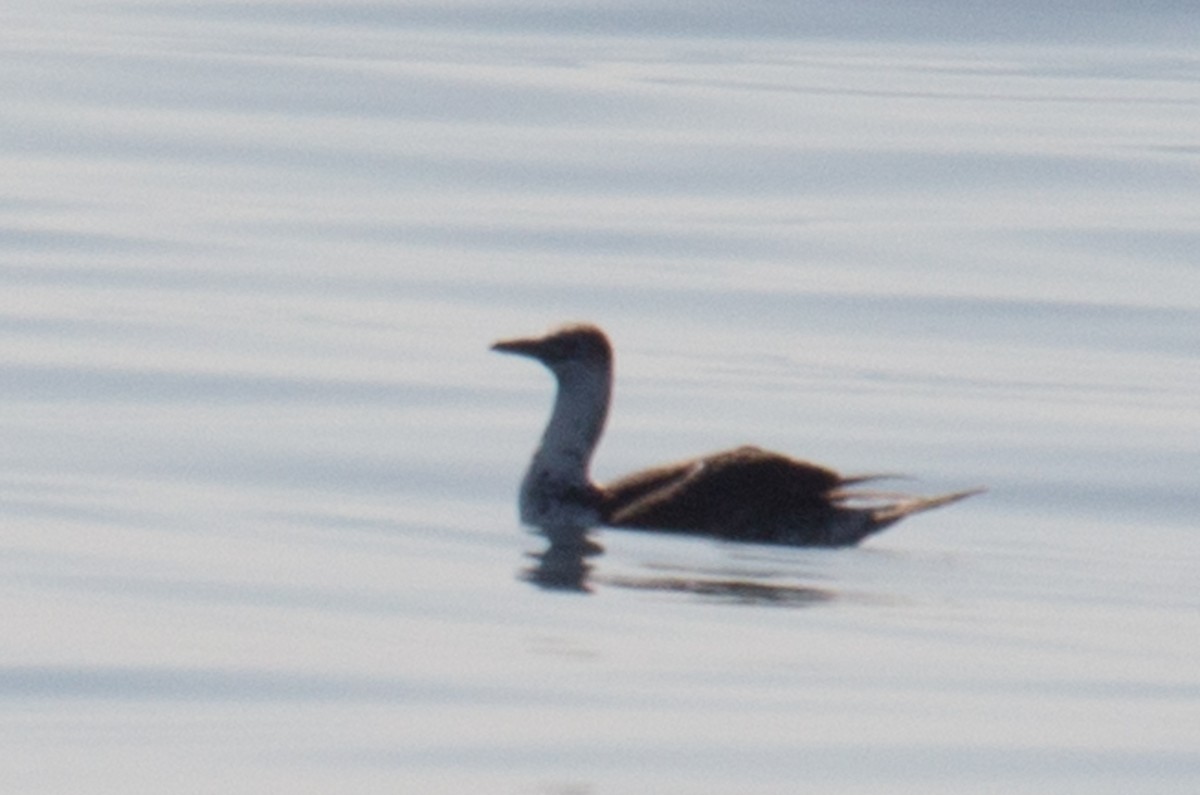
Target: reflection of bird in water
{"points": [[744, 494], [562, 567]]}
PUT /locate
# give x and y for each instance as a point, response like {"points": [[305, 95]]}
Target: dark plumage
{"points": [[743, 494]]}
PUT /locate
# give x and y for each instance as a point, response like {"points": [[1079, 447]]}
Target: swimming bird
{"points": [[743, 494]]}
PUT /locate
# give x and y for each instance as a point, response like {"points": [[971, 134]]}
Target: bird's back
{"points": [[746, 494]]}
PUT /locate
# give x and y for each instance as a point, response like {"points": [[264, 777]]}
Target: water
{"points": [[258, 469]]}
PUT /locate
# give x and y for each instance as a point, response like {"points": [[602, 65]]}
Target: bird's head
{"points": [[564, 350]]}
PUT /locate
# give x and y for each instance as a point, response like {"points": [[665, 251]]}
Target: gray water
{"points": [[258, 469]]}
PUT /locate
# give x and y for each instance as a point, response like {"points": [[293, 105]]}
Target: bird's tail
{"points": [[890, 514], [864, 513], [854, 480]]}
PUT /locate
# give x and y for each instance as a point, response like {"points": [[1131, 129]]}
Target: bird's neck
{"points": [[576, 423], [557, 490]]}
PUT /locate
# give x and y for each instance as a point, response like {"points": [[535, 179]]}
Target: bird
{"points": [[745, 494]]}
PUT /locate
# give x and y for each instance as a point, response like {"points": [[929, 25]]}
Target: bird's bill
{"points": [[531, 346]]}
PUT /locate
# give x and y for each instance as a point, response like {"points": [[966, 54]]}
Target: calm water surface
{"points": [[258, 469]]}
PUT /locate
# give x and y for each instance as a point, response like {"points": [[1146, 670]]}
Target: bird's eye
{"points": [[567, 348]]}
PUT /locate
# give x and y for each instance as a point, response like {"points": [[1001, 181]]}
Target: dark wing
{"points": [[744, 493], [630, 488]]}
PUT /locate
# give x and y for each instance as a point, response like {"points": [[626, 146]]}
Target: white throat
{"points": [[557, 489]]}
